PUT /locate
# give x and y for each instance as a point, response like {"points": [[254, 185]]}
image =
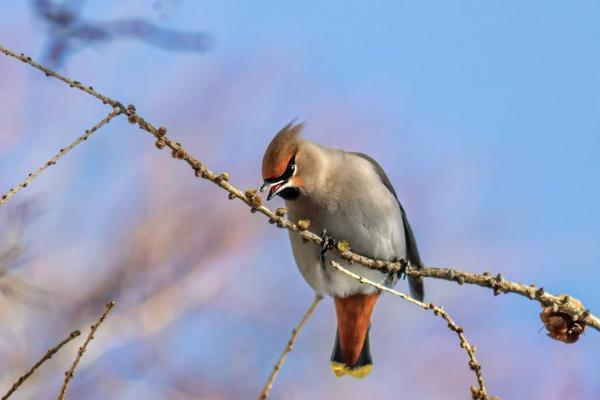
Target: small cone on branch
{"points": [[560, 325]]}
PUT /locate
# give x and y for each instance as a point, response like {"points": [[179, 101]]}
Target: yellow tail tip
{"points": [[340, 369]]}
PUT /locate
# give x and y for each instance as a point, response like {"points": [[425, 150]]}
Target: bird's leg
{"points": [[327, 243]]}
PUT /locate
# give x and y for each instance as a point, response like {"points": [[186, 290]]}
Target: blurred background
{"points": [[484, 115]]}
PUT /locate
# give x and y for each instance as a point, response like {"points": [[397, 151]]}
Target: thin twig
{"points": [[74, 84], [46, 357], [264, 393], [59, 155], [477, 393], [71, 371]]}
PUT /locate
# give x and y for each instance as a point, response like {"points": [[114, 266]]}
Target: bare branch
{"points": [[59, 155], [46, 357], [71, 371], [565, 304], [477, 393], [264, 393], [74, 84], [560, 303]]}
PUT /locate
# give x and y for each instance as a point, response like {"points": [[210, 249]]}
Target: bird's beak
{"points": [[274, 187]]}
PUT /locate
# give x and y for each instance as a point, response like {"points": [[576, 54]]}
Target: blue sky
{"points": [[484, 114]]}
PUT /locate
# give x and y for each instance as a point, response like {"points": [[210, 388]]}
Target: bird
{"points": [[345, 195]]}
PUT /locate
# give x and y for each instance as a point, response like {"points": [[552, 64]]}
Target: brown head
{"points": [[279, 169]]}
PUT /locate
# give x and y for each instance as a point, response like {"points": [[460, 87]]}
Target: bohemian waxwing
{"points": [[348, 196]]}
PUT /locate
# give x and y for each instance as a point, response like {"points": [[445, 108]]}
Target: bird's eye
{"points": [[291, 167]]}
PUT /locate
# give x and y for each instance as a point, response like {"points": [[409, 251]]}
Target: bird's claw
{"points": [[403, 267], [327, 243]]}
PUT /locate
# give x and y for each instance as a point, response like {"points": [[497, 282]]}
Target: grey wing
{"points": [[412, 252]]}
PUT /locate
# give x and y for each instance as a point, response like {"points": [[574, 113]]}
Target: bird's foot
{"points": [[327, 243], [401, 273]]}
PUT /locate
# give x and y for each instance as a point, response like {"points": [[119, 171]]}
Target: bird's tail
{"points": [[361, 368], [415, 283]]}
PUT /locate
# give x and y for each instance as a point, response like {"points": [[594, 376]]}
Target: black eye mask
{"points": [[287, 174]]}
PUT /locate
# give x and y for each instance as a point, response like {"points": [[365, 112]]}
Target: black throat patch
{"points": [[289, 193]]}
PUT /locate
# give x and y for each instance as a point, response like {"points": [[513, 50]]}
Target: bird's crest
{"points": [[282, 148]]}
